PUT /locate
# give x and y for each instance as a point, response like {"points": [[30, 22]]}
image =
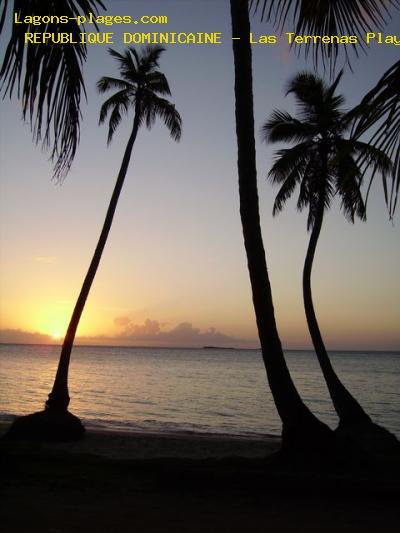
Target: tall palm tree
{"points": [[329, 17], [48, 78], [323, 163], [141, 88], [300, 428]]}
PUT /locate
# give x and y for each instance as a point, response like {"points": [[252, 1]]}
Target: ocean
{"points": [[169, 390]]}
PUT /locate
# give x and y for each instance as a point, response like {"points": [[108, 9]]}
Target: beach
{"points": [[186, 441], [114, 481]]}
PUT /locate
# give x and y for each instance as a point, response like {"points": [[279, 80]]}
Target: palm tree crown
{"points": [[323, 163], [50, 77], [141, 87]]}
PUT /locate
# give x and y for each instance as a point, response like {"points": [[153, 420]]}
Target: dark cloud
{"points": [[150, 333], [184, 334], [17, 336]]}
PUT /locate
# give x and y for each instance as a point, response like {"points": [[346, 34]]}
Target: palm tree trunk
{"points": [[299, 424], [59, 396], [347, 407]]}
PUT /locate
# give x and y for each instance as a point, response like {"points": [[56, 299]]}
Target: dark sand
{"points": [[119, 482]]}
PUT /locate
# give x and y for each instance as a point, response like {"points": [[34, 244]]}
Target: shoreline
{"points": [[126, 445], [310, 349], [145, 483]]}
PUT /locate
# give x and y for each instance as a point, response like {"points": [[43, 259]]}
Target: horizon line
{"points": [[78, 345]]}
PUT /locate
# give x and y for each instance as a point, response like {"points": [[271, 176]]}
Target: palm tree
{"points": [[381, 106], [141, 88], [329, 17], [323, 163], [51, 76], [300, 428]]}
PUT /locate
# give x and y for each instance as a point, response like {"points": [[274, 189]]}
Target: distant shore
{"points": [[202, 347]]}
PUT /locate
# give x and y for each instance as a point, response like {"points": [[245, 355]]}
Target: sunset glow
{"points": [[175, 252]]}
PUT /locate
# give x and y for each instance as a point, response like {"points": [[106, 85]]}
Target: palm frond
{"points": [[3, 15], [348, 188], [107, 83], [319, 189], [379, 111], [283, 127], [316, 101], [121, 58], [288, 187], [114, 122], [159, 107], [327, 17], [157, 82], [49, 78], [307, 88], [150, 57], [287, 160], [120, 99], [372, 156]]}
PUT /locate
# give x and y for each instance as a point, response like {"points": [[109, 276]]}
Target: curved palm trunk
{"points": [[300, 426], [347, 407], [59, 396]]}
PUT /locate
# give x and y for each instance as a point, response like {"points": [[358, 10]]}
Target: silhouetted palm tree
{"points": [[381, 106], [300, 428], [52, 82], [141, 88], [329, 17], [323, 163]]}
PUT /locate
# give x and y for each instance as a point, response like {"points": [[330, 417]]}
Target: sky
{"points": [[174, 269]]}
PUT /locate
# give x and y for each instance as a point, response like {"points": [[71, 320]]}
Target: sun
{"points": [[56, 335]]}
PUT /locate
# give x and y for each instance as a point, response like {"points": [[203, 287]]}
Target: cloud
{"points": [[184, 334], [18, 336], [149, 333], [122, 321]]}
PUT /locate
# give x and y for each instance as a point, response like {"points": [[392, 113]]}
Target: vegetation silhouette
{"points": [[324, 163], [381, 106], [141, 87], [380, 109], [328, 17], [301, 430], [52, 79], [309, 17]]}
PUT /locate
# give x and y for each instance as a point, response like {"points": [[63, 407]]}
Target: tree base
{"points": [[368, 438], [49, 425], [309, 442]]}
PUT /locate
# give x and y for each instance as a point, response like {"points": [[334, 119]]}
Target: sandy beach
{"points": [[181, 483]]}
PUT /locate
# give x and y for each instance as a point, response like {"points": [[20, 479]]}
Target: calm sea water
{"points": [[170, 390]]}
